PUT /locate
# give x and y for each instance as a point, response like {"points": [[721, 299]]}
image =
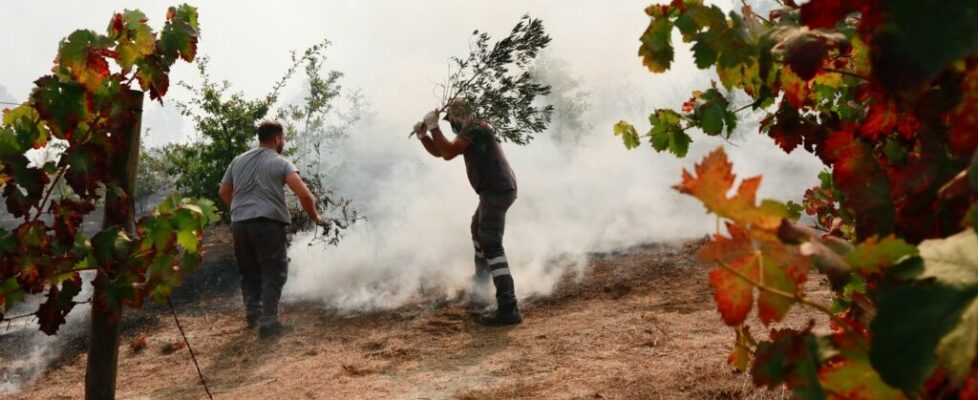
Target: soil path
{"points": [[638, 323]]}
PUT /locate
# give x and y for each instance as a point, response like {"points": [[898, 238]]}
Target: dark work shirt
{"points": [[485, 163]]}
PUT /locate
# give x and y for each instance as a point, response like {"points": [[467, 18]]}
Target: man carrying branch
{"points": [[253, 189], [492, 178]]}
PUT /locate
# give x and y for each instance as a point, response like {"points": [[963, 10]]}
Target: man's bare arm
{"points": [[448, 149], [429, 145], [306, 198], [226, 193]]}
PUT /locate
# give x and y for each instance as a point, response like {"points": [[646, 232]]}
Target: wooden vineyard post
{"points": [[106, 322]]}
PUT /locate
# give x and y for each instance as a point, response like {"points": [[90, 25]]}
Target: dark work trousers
{"points": [[488, 225], [260, 251]]}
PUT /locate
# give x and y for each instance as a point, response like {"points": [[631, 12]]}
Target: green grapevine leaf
{"points": [[929, 321], [628, 134], [668, 134], [875, 255], [64, 105], [135, 39], [179, 35], [656, 50], [848, 374]]}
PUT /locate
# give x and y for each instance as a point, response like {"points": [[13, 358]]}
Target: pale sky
{"points": [[392, 50]]}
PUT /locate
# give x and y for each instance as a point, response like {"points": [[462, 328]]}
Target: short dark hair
{"points": [[268, 130]]}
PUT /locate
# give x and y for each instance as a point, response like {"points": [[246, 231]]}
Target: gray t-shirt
{"points": [[258, 177], [485, 163]]}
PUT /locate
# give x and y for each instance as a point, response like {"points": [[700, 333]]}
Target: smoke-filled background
{"points": [[580, 191]]}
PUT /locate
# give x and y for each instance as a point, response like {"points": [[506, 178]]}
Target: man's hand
{"points": [[431, 120], [419, 130], [327, 225]]}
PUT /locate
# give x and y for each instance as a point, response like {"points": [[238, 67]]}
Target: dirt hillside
{"points": [[637, 324]]}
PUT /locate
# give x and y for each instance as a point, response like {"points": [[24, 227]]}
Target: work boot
{"points": [[479, 298], [503, 316], [252, 321], [276, 329]]}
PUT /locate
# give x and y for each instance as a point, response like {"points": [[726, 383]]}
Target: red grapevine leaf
{"points": [[734, 296], [964, 118], [51, 315], [791, 358], [68, 218], [818, 14], [859, 177], [880, 121]]}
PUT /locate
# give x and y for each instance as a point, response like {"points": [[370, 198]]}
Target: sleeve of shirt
{"points": [[228, 177], [287, 167]]}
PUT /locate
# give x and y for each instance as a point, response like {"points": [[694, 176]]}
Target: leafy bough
{"points": [[496, 83]]}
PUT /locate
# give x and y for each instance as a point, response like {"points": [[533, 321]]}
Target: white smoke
{"points": [[595, 196], [36, 350]]}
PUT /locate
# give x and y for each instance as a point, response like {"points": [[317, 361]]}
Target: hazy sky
{"points": [[392, 50]]}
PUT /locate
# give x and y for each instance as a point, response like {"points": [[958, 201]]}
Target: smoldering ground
{"points": [[575, 198]]}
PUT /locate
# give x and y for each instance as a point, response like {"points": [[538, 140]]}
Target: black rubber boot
{"points": [[276, 329], [505, 315]]}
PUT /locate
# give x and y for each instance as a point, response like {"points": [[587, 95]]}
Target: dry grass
{"points": [[639, 324]]}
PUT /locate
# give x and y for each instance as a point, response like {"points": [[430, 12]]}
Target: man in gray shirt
{"points": [[493, 180], [253, 188]]}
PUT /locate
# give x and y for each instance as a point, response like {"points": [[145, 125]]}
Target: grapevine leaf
{"points": [[27, 130], [740, 357], [656, 50], [10, 291], [110, 246], [135, 38], [157, 233], [83, 55], [860, 178], [69, 215], [28, 191], [186, 228], [875, 255], [7, 242], [849, 374], [733, 295], [628, 134], [85, 164], [51, 314], [179, 35], [784, 270], [960, 346], [791, 358], [62, 104], [704, 54], [714, 179], [929, 321], [818, 14], [911, 46], [152, 75], [880, 121], [795, 88], [964, 118], [667, 133]]}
